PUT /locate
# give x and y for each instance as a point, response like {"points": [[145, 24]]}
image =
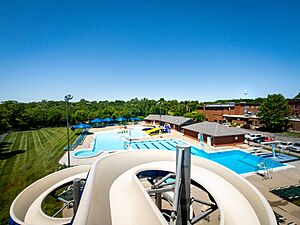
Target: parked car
{"points": [[294, 147], [284, 145], [252, 137], [226, 124], [247, 135], [259, 139]]}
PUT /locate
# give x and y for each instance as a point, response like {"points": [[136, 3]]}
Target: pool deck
{"points": [[280, 178]]}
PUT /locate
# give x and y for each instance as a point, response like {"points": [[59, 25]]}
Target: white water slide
{"points": [[113, 194]]}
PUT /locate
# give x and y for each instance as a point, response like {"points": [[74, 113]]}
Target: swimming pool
{"points": [[111, 140], [236, 160]]}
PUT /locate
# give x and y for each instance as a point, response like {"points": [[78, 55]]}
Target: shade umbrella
{"points": [[107, 119], [134, 119], [97, 120], [121, 119], [81, 126]]}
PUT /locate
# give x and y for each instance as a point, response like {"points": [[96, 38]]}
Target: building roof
{"points": [[295, 119], [228, 105], [177, 120], [214, 129], [240, 116], [220, 105]]}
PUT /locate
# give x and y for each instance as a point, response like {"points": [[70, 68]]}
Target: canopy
{"points": [[97, 120], [81, 126], [134, 119], [120, 119], [107, 119]]}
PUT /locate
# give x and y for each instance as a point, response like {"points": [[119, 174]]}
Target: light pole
{"points": [[159, 112], [67, 99]]}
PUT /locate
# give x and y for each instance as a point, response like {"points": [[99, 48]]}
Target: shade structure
{"points": [[121, 119], [134, 119], [97, 120], [107, 120], [81, 126]]}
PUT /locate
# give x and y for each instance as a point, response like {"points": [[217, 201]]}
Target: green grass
{"points": [[292, 134], [25, 157]]}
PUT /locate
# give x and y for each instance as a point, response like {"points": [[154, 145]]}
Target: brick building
{"points": [[240, 113], [295, 106]]}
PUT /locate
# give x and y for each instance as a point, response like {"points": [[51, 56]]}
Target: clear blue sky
{"points": [[200, 50]]}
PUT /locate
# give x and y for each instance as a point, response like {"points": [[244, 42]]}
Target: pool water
{"points": [[111, 140], [236, 160]]}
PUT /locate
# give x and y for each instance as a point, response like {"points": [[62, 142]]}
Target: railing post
{"points": [[76, 193]]}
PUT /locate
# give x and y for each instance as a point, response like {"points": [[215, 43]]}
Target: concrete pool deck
{"points": [[280, 178]]}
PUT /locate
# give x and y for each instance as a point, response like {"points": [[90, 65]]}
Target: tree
{"points": [[80, 116], [274, 112], [197, 117], [297, 96]]}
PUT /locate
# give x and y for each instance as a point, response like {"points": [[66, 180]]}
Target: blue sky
{"points": [[185, 50]]}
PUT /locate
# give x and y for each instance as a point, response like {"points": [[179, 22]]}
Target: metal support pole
{"points": [[183, 191], [76, 193], [158, 200]]}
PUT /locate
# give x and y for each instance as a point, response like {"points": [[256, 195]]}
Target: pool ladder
{"points": [[265, 171]]}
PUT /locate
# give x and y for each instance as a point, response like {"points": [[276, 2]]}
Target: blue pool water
{"points": [[236, 160], [111, 140]]}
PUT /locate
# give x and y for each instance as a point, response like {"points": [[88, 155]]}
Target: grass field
{"points": [[25, 157]]}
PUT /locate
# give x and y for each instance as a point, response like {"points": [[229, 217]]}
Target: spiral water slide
{"points": [[113, 194]]}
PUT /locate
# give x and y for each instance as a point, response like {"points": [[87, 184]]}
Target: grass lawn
{"points": [[292, 134], [25, 157]]}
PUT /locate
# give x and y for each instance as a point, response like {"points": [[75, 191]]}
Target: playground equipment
{"points": [[154, 130], [116, 193], [167, 128]]}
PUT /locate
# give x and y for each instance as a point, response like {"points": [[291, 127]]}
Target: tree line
{"points": [[23, 116], [14, 115]]}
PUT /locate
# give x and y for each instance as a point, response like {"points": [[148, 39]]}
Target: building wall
{"points": [[191, 134], [294, 125], [237, 139], [173, 126], [229, 140], [295, 107], [215, 114]]}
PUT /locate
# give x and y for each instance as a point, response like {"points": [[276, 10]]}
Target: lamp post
{"points": [[67, 99], [159, 112]]}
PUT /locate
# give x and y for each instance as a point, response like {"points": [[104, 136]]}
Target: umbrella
{"points": [[107, 119], [120, 119], [97, 120], [134, 119], [81, 126]]}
